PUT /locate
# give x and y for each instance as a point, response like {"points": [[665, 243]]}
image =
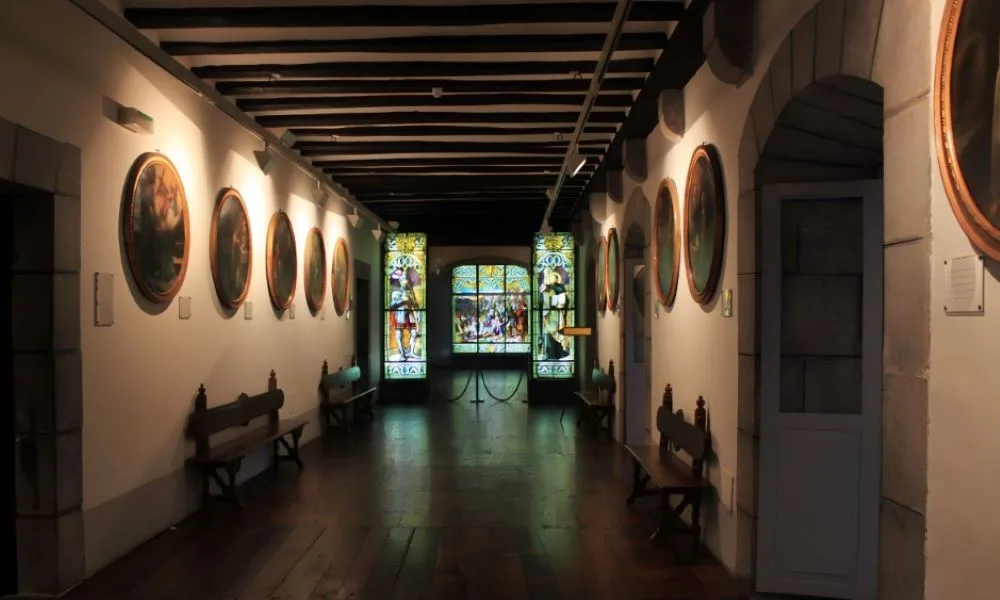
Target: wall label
{"points": [[727, 303], [963, 277]]}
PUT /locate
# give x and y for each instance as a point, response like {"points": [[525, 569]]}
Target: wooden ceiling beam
{"points": [[411, 86], [364, 69], [425, 100], [339, 172], [445, 118], [363, 148], [400, 131], [392, 163], [395, 15], [431, 44]]}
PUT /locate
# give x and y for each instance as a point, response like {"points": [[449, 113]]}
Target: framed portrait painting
{"points": [[967, 118], [600, 266], [341, 276], [704, 223], [666, 242], [230, 249], [282, 261], [314, 270], [155, 227], [611, 275]]}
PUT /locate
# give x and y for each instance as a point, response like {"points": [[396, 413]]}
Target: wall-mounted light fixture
{"points": [[354, 219], [551, 194], [394, 224], [135, 120], [264, 160], [575, 162], [320, 195], [377, 233], [288, 138]]}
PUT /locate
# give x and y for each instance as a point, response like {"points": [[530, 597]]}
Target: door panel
{"points": [[820, 389], [8, 502]]}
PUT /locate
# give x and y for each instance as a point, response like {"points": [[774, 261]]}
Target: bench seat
{"points": [[343, 389], [242, 445], [598, 401], [665, 472]]}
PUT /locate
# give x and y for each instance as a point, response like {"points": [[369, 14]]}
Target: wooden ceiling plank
{"points": [[410, 86], [444, 118], [431, 44], [395, 15], [363, 69], [398, 131], [252, 105]]}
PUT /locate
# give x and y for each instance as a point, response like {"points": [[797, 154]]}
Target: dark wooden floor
{"points": [[445, 501]]}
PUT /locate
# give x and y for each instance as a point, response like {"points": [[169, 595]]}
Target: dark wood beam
{"points": [[369, 186], [495, 169], [391, 163], [436, 44], [399, 131], [676, 66], [417, 118], [484, 199], [416, 86], [355, 69], [421, 100], [450, 181], [396, 15], [355, 148], [418, 196]]}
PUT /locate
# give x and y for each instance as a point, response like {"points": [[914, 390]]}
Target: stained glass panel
{"points": [[405, 309], [554, 282], [496, 318]]}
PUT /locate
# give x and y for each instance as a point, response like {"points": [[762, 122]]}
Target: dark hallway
{"points": [[452, 501]]}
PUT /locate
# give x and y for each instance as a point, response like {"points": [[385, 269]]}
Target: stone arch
{"points": [[867, 43]]}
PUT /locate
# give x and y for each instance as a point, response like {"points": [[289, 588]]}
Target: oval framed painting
{"points": [[155, 227], [612, 277], [314, 270], [967, 118], [666, 242], [230, 249], [704, 223], [282, 261], [341, 279], [600, 266]]}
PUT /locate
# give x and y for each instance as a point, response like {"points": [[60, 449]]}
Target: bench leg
{"points": [[639, 482], [291, 450], [695, 501], [227, 484]]}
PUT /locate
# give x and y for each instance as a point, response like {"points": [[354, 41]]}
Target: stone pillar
{"points": [[48, 401]]}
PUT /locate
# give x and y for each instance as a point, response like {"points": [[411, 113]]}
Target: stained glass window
{"points": [[554, 284], [405, 306], [491, 305]]}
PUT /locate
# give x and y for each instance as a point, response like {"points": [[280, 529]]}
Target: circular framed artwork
{"points": [[314, 270], [600, 266], [341, 276], [704, 223], [967, 118], [155, 227], [230, 249], [611, 275], [282, 261], [666, 242]]}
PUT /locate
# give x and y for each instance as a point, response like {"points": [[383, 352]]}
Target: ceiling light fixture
{"points": [[377, 233], [288, 138], [551, 194], [437, 92], [319, 194], [264, 160], [575, 162], [394, 224]]}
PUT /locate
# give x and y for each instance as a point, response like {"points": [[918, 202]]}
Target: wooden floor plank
{"points": [[444, 502]]}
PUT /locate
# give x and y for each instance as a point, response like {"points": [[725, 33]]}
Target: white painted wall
{"points": [[963, 447], [58, 68], [694, 347]]}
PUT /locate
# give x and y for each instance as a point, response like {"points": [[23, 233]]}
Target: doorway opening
{"points": [[8, 419], [637, 341], [820, 306]]}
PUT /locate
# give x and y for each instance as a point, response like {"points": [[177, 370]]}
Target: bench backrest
{"points": [[676, 434], [205, 421], [328, 382], [604, 386]]}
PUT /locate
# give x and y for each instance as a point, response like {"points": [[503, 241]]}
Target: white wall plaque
{"points": [[727, 303], [184, 307], [291, 310], [248, 310], [104, 300], [963, 276]]}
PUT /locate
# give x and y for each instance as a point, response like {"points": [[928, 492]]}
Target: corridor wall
{"points": [[65, 76]]}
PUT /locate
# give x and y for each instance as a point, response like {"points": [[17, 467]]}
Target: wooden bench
{"points": [[668, 473], [220, 463], [337, 397], [599, 401]]}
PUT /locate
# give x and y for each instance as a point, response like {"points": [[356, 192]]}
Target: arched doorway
{"points": [[636, 325], [820, 255]]}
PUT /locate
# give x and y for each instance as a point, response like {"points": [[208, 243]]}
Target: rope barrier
{"points": [[441, 396], [520, 379]]}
